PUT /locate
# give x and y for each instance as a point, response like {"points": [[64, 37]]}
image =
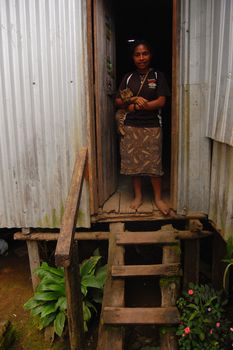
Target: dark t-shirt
{"points": [[154, 87]]}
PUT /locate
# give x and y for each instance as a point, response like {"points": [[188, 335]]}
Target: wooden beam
{"points": [[135, 216], [34, 261], [49, 236], [74, 301], [66, 237], [218, 254], [191, 262], [96, 236], [153, 237], [146, 270], [169, 291], [127, 316], [112, 338]]}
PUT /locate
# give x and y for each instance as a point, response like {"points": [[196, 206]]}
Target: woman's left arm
{"points": [[155, 104]]}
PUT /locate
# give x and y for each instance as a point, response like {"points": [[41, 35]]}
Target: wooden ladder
{"points": [[114, 314]]}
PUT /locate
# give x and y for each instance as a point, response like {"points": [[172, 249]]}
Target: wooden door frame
{"points": [[92, 158], [175, 104], [91, 124]]}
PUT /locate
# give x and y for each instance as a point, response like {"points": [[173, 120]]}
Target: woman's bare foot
{"points": [[136, 203], [162, 206]]}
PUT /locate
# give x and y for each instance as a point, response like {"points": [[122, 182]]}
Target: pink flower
{"points": [[218, 324], [231, 329], [190, 292], [211, 331], [187, 330]]}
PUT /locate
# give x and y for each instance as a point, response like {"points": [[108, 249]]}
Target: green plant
{"points": [[49, 304], [203, 323], [228, 259]]}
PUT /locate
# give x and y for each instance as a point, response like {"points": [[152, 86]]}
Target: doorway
{"points": [[114, 24], [151, 21]]}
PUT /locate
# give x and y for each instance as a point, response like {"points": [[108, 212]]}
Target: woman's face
{"points": [[142, 57]]}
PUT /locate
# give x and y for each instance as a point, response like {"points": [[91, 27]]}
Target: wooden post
{"points": [[111, 338], [192, 255], [74, 301], [169, 292], [218, 267], [34, 258]]}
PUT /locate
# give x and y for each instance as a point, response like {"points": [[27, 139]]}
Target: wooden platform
{"points": [[117, 207]]}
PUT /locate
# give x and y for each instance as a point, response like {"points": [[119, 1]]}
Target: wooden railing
{"points": [[66, 254]]}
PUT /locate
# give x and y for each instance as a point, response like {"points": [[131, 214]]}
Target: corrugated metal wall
{"points": [[42, 109], [220, 57], [194, 147], [221, 195], [205, 166]]}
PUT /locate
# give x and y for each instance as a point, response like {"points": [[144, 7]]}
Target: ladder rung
{"points": [[146, 270], [158, 316], [154, 237]]}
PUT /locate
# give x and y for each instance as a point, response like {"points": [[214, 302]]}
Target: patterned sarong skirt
{"points": [[141, 151]]}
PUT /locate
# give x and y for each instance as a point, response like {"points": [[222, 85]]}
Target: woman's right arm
{"points": [[130, 107]]}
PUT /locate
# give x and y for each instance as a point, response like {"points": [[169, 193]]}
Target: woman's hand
{"points": [[140, 103]]}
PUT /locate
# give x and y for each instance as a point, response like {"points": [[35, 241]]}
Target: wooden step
{"points": [[154, 237], [146, 270], [127, 316]]}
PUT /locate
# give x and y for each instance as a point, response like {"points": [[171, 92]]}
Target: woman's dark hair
{"points": [[140, 42]]}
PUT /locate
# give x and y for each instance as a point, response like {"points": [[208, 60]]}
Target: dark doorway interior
{"points": [[150, 20]]}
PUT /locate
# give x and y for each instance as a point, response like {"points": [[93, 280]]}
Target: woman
{"points": [[141, 95]]}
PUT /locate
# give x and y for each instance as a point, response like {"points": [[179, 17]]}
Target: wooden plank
{"points": [[125, 201], [49, 236], [74, 301], [104, 49], [175, 105], [135, 216], [86, 236], [112, 204], [112, 338], [152, 237], [130, 316], [218, 266], [66, 237], [191, 262], [34, 261], [146, 270], [147, 205], [91, 139], [169, 291]]}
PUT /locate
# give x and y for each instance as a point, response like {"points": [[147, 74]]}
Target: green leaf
{"points": [[47, 271], [46, 296], [59, 323], [31, 304], [90, 305], [83, 290], [96, 252], [37, 310], [62, 303], [88, 266], [101, 274], [52, 287], [86, 313], [48, 309], [47, 320], [90, 281], [202, 336]]}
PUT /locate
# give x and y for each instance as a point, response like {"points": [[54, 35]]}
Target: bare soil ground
{"points": [[15, 290]]}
